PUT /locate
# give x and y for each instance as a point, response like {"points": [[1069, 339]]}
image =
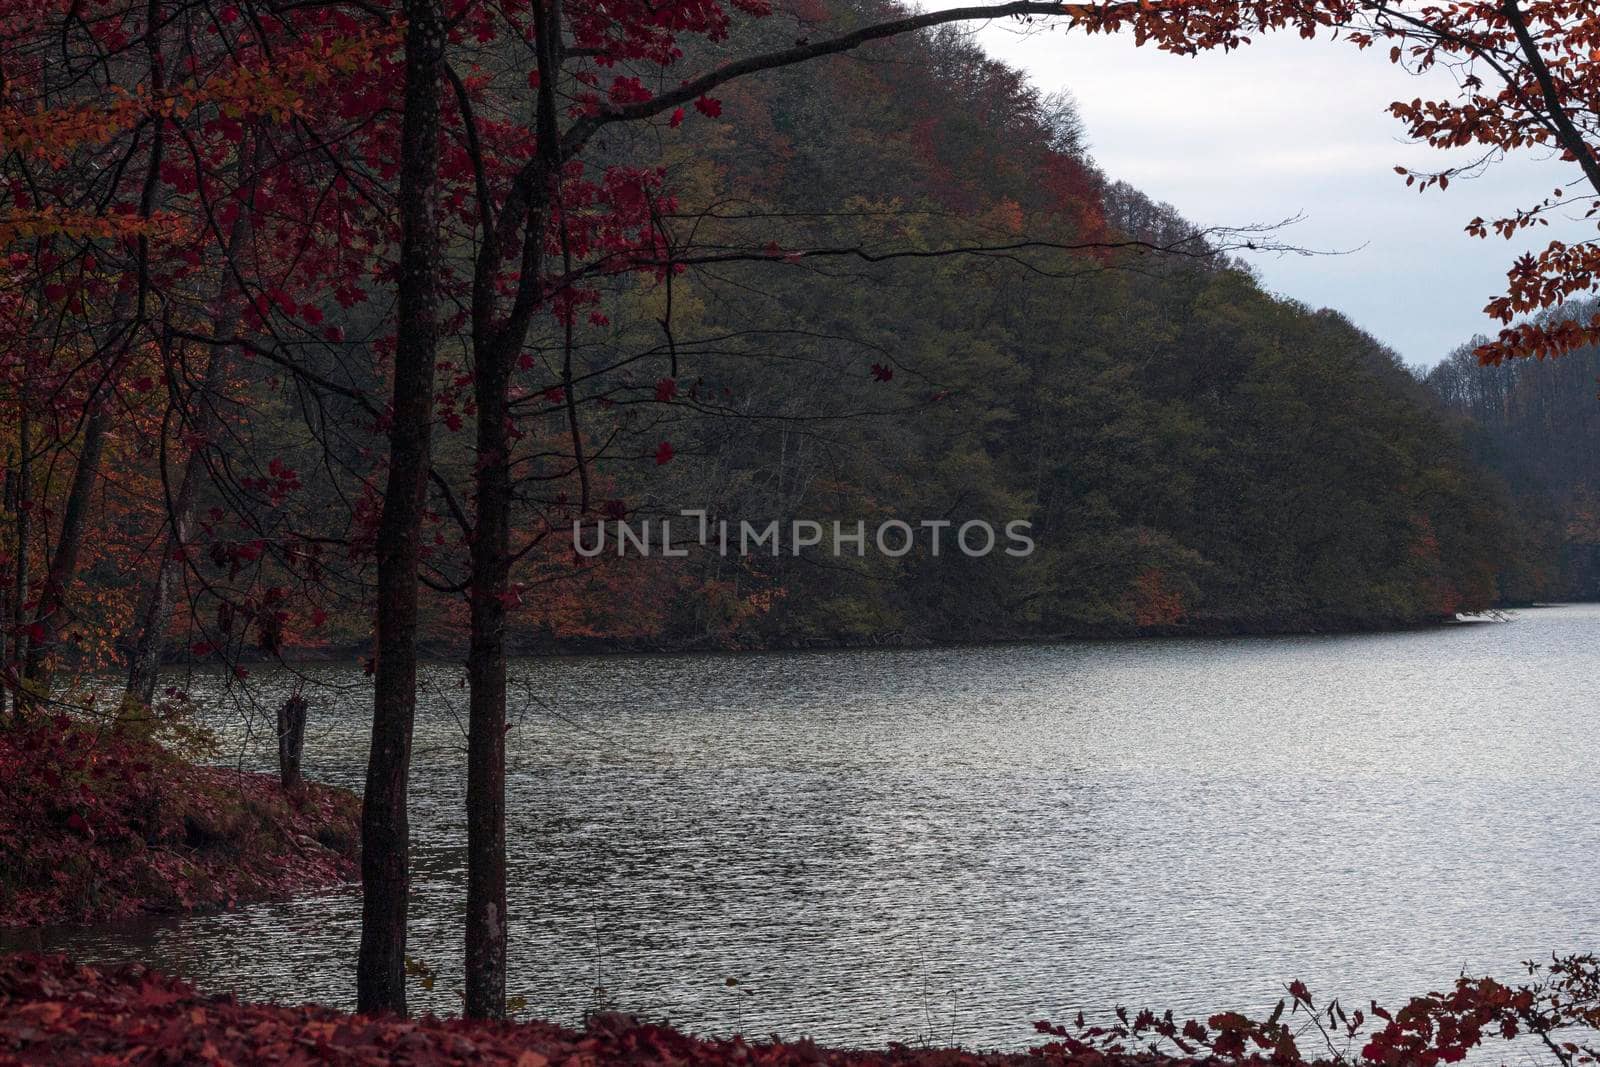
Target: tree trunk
{"points": [[150, 624], [385, 834], [22, 501], [150, 632], [494, 353], [7, 503], [486, 673], [52, 611], [291, 740]]}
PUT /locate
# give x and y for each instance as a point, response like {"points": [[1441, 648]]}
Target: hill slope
{"points": [[1193, 454]]}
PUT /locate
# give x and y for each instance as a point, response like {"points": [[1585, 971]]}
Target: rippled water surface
{"points": [[944, 845]]}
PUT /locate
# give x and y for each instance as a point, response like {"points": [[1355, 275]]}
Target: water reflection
{"points": [[947, 844]]}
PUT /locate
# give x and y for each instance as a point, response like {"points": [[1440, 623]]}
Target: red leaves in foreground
{"points": [[96, 826], [53, 1012], [1558, 1012]]}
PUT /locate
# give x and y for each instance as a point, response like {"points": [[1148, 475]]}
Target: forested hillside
{"points": [[1536, 424], [893, 286], [1194, 454]]}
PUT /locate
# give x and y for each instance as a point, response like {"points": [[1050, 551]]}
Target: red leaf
{"points": [[664, 453]]}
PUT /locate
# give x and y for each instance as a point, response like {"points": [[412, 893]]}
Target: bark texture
{"points": [[385, 830]]}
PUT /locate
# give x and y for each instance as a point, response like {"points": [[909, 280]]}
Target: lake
{"points": [[943, 845]]}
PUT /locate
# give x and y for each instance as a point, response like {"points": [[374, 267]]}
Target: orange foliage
{"points": [[1153, 601]]}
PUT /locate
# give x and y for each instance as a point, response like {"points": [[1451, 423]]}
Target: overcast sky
{"points": [[1289, 127]]}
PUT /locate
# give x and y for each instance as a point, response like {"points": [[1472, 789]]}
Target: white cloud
{"points": [[1286, 127]]}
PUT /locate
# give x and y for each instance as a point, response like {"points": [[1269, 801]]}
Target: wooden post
{"points": [[291, 740]]}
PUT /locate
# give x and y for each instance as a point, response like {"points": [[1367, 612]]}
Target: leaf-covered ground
{"points": [[97, 826], [54, 1012]]}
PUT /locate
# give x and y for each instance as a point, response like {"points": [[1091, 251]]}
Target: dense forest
{"points": [[1536, 425], [915, 296], [1195, 454], [326, 325]]}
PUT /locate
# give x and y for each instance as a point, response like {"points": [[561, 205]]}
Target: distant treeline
{"points": [[1194, 454], [1536, 424], [916, 297]]}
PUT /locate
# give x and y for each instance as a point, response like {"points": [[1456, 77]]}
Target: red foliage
{"points": [[52, 1012], [1559, 1008], [1155, 603], [97, 826], [55, 1012]]}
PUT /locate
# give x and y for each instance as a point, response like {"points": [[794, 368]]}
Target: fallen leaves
{"points": [[94, 826], [55, 1012]]}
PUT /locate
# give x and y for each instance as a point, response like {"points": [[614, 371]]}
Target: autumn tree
{"points": [[538, 223], [189, 189], [385, 855], [169, 208], [541, 223]]}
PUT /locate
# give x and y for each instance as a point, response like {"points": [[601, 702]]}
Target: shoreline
{"points": [[96, 827], [53, 1011], [436, 652]]}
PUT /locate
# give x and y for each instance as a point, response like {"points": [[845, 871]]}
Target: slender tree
{"points": [[154, 613], [505, 118], [380, 982], [1545, 84]]}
